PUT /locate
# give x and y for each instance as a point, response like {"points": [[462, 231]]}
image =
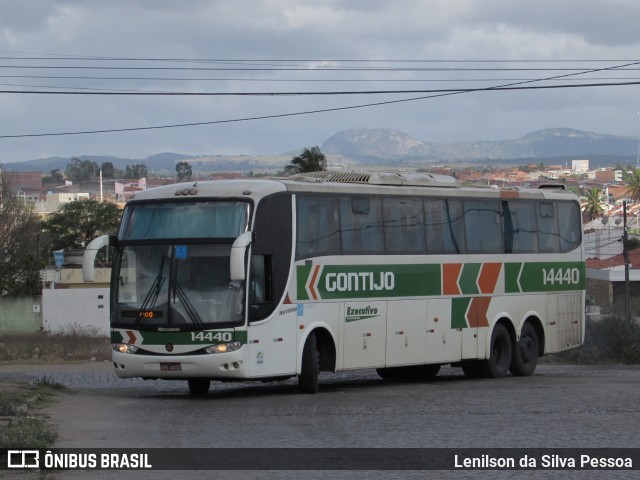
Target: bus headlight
{"points": [[124, 348], [223, 347]]}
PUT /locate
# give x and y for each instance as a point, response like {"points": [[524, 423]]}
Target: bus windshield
{"points": [[152, 221], [176, 287], [172, 269]]}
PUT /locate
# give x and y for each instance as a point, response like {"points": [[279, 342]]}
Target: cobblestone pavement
{"points": [[558, 407]]}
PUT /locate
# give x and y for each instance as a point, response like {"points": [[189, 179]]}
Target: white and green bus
{"points": [[327, 271]]}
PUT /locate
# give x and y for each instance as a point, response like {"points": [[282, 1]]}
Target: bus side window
{"points": [[444, 226], [260, 289], [318, 226], [482, 224], [570, 232], [524, 230], [548, 233], [403, 225], [361, 225]]}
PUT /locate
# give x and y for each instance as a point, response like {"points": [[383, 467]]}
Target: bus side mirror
{"points": [[238, 268], [89, 256]]}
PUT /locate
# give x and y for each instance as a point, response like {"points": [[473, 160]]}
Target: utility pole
{"points": [[625, 255]]}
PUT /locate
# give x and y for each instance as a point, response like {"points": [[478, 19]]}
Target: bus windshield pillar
{"points": [[238, 266]]}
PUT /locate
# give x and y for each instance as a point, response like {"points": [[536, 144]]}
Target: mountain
{"points": [[385, 146], [380, 145], [379, 142]]}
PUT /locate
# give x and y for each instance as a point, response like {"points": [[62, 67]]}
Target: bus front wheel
{"points": [[497, 365], [199, 386], [525, 352], [308, 378]]}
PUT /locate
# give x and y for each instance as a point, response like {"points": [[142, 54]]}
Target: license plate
{"points": [[170, 367]]}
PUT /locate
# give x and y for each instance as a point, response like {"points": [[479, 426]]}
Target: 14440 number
{"points": [[561, 276], [211, 336]]}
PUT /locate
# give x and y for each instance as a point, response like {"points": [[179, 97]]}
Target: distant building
{"points": [[24, 180], [608, 175], [606, 278], [125, 189], [580, 166], [53, 201]]}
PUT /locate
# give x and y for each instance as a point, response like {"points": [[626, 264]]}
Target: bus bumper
{"points": [[231, 365]]}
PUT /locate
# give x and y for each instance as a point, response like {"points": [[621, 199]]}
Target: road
{"points": [[558, 407]]}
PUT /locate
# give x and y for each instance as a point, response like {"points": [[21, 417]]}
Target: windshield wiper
{"points": [[188, 306], [152, 295]]}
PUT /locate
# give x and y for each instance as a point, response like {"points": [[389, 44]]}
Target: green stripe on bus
{"points": [[368, 281], [544, 277], [469, 278], [459, 307]]}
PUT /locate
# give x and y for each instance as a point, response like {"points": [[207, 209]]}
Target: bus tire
{"points": [[308, 378], [525, 352], [499, 361], [199, 386]]}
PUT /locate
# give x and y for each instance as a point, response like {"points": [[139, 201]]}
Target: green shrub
{"points": [[27, 432], [614, 339]]}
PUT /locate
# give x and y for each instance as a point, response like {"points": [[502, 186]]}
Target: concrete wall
{"points": [[76, 308], [19, 314]]}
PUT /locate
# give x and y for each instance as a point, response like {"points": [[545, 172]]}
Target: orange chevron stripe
{"points": [[312, 284], [477, 314], [488, 277], [450, 275]]}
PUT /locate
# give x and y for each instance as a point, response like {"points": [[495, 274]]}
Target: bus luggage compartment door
{"points": [[365, 331]]}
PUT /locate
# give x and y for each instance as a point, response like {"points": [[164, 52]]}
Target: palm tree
{"points": [[591, 205], [310, 160], [633, 184]]}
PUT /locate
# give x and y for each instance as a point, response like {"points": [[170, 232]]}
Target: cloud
{"points": [[285, 33]]}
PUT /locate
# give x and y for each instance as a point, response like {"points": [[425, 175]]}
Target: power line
{"points": [[316, 68], [56, 56], [301, 80], [309, 112], [318, 93]]}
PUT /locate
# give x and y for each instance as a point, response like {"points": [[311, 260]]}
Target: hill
{"points": [[379, 145], [388, 147]]}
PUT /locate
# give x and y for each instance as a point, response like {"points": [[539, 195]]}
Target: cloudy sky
{"points": [[304, 46]]}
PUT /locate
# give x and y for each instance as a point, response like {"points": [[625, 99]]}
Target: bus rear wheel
{"points": [[199, 386], [525, 353], [308, 378], [499, 361]]}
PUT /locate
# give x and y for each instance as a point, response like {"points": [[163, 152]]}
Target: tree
{"points": [[183, 169], [79, 222], [81, 170], [592, 206], [55, 176], [108, 170], [310, 160], [19, 242], [633, 184], [138, 170]]}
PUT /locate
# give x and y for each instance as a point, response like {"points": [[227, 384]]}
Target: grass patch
{"points": [[23, 428], [10, 403], [27, 432], [74, 344], [612, 340]]}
